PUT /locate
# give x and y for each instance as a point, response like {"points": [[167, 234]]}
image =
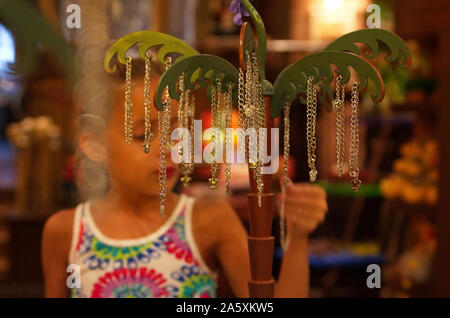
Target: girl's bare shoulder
{"points": [[214, 212], [213, 208], [58, 228]]}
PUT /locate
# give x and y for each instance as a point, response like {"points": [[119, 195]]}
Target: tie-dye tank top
{"points": [[166, 263]]}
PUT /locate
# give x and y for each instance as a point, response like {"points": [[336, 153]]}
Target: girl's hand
{"points": [[305, 208]]}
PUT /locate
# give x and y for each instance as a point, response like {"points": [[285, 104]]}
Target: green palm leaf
{"points": [[398, 51], [293, 79], [199, 71], [147, 39], [32, 31], [260, 34]]}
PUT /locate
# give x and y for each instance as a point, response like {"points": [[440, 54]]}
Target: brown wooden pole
{"points": [[260, 241]]}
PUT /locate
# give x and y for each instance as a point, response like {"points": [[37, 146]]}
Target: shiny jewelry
{"points": [[354, 138], [285, 175], [339, 106], [128, 104], [311, 114], [148, 136], [164, 129]]}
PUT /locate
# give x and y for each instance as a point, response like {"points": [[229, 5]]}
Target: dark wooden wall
{"points": [[425, 21]]}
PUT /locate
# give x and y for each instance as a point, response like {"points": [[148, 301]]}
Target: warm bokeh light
{"points": [[332, 18], [333, 4]]}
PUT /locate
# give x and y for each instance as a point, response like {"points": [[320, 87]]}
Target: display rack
{"points": [[202, 70]]}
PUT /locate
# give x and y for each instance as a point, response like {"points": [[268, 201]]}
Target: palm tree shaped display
{"points": [[259, 102]]}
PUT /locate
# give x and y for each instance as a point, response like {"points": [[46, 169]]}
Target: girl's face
{"points": [[129, 167]]}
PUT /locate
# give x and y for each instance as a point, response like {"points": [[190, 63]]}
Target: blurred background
{"points": [[399, 219]]}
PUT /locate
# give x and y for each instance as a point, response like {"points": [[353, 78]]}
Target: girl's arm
{"points": [[232, 251], [56, 241], [305, 209], [293, 281]]}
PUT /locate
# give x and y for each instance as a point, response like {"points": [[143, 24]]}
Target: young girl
{"points": [[124, 248]]}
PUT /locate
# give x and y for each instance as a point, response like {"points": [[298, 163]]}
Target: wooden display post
{"points": [[260, 242]]}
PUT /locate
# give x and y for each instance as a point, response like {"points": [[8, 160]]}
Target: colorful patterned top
{"points": [[166, 263]]}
